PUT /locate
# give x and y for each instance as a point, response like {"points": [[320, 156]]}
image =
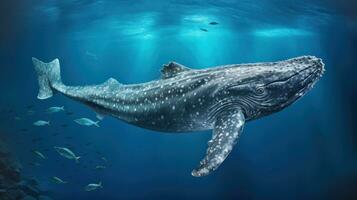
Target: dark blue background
{"points": [[307, 151]]}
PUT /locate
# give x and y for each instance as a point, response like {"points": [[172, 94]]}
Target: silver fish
{"points": [[67, 153], [55, 109], [41, 123], [93, 186], [87, 122]]}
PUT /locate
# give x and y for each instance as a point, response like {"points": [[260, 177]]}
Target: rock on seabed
{"points": [[13, 186]]}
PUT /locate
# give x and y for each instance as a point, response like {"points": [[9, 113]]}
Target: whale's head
{"points": [[262, 89]]}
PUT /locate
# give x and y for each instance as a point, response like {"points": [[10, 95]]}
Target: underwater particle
{"points": [[39, 154], [55, 109], [93, 186], [87, 122], [100, 167], [41, 123], [57, 180], [67, 153], [203, 29], [213, 23]]}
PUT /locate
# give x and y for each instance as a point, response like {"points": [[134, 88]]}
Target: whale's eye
{"points": [[260, 90]]}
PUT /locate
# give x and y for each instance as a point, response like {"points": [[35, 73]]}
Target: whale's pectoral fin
{"points": [[227, 129], [172, 69]]}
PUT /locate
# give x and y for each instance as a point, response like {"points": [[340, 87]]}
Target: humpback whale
{"points": [[221, 98]]}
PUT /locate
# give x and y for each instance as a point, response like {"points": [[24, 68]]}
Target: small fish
{"points": [[41, 123], [203, 29], [3, 190], [57, 180], [17, 118], [213, 23], [55, 109], [67, 153], [35, 164], [86, 122], [24, 129], [93, 186], [69, 113], [92, 55], [37, 139], [30, 106], [100, 167], [64, 125], [39, 154], [104, 159], [99, 116], [88, 143], [55, 134], [30, 112]]}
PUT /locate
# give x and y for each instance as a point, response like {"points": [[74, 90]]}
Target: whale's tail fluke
{"points": [[48, 75]]}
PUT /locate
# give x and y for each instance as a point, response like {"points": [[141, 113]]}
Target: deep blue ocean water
{"points": [[307, 151]]}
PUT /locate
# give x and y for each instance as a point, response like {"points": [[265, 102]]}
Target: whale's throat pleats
{"points": [[228, 127]]}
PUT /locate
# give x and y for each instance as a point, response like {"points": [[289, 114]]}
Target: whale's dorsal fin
{"points": [[172, 69], [227, 129], [111, 81]]}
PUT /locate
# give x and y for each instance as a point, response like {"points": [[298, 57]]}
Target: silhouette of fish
{"points": [[30, 107], [55, 134], [69, 113]]}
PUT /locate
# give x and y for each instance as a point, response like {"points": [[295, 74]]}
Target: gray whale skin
{"points": [[220, 98]]}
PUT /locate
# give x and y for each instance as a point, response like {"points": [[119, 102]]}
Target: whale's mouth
{"points": [[309, 77], [300, 82], [305, 79], [311, 73]]}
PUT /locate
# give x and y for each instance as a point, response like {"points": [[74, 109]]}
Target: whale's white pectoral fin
{"points": [[172, 69], [227, 129]]}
